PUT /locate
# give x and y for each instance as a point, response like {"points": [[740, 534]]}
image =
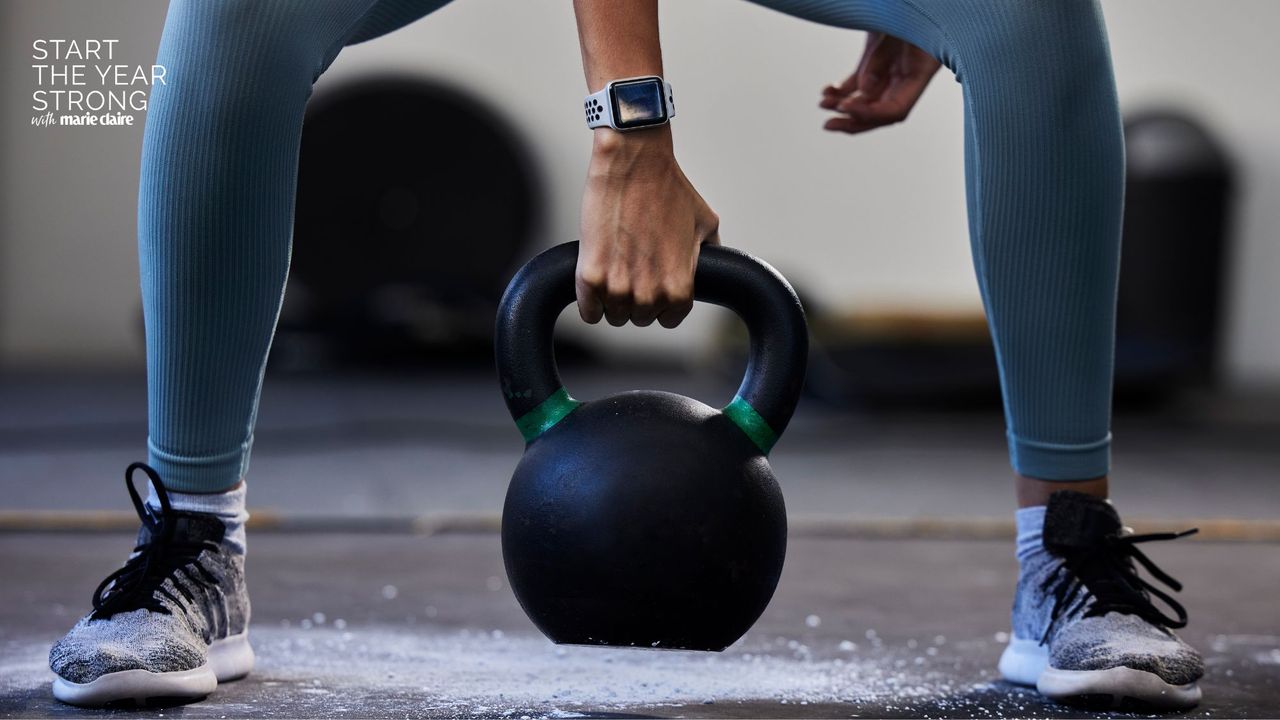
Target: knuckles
{"points": [[620, 298], [593, 277], [646, 299], [678, 295], [618, 292]]}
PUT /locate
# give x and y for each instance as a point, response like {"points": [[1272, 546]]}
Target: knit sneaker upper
{"points": [[1085, 598], [179, 590]]}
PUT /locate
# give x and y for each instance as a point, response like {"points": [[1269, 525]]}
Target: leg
{"points": [[1031, 492], [216, 211], [1045, 180], [1045, 173], [215, 214], [1045, 170], [1045, 165], [215, 217]]}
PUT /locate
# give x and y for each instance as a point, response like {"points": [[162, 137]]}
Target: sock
{"points": [[1031, 606], [228, 506], [1030, 524]]}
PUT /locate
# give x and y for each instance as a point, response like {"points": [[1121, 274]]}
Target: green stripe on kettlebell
{"points": [[746, 417], [548, 413]]}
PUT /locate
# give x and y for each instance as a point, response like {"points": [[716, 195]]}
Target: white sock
{"points": [[1031, 606], [228, 506], [1030, 524]]}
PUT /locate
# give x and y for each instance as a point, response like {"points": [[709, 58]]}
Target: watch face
{"points": [[637, 103]]}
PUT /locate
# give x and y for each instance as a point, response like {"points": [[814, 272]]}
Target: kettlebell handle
{"points": [[759, 295]]}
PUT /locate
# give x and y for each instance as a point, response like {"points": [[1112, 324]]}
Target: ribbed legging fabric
{"points": [[1044, 174]]}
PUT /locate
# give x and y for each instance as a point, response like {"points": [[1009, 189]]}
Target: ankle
{"points": [[1034, 492], [227, 505]]}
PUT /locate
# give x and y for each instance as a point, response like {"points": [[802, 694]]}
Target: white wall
{"points": [[872, 221], [68, 198], [1165, 53]]}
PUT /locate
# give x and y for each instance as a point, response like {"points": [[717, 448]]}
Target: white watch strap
{"points": [[599, 110]]}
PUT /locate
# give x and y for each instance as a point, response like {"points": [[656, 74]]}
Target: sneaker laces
{"points": [[160, 557], [1105, 572]]}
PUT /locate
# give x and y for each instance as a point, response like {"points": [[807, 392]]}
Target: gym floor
{"points": [[378, 586]]}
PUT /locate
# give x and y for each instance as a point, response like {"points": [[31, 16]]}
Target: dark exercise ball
{"points": [[415, 203]]}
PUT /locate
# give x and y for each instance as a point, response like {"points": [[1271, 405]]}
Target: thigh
{"points": [[909, 20], [240, 45], [1007, 38], [388, 15]]}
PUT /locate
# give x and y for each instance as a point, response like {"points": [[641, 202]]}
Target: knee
{"points": [[209, 41], [221, 21], [1054, 51], [386, 16], [231, 59]]}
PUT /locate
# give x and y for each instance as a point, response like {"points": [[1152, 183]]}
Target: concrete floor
{"points": [[411, 626], [373, 447], [392, 623]]}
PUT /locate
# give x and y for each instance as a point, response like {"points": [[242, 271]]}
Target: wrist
{"points": [[631, 104], [609, 145], [628, 157]]}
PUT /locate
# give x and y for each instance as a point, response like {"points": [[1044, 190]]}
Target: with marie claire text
{"points": [[78, 83]]}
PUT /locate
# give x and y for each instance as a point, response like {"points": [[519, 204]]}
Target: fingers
{"points": [[635, 265], [678, 287], [891, 78], [893, 105], [832, 95], [617, 304], [675, 314], [608, 292], [618, 298], [587, 284], [848, 125], [706, 228], [877, 64]]}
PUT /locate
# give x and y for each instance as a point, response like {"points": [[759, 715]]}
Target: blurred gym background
{"points": [[439, 158]]}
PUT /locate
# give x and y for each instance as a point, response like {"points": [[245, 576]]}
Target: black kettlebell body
{"points": [[646, 518]]}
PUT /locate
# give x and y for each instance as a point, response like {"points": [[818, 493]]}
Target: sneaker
{"points": [[169, 625], [1086, 631]]}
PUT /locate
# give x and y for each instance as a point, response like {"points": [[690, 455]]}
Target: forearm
{"points": [[634, 263], [619, 39]]}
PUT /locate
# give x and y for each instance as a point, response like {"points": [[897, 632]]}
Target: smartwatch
{"points": [[631, 104]]}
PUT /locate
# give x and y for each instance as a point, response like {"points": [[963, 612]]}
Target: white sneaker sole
{"points": [[1117, 688], [1026, 662], [230, 658], [1023, 661]]}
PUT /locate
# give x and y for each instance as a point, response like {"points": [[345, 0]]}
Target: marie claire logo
{"points": [[78, 83]]}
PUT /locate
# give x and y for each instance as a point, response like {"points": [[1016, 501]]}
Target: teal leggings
{"points": [[1044, 174]]}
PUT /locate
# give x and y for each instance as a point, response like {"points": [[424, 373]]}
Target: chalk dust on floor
{"points": [[342, 668]]}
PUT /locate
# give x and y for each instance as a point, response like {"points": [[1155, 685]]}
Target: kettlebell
{"points": [[647, 519]]}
